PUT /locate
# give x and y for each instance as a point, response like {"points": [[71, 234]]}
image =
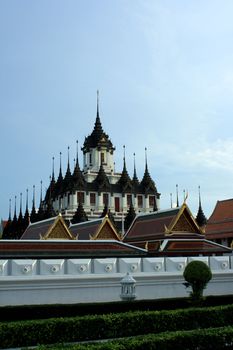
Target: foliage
{"points": [[197, 274], [110, 326], [202, 339]]}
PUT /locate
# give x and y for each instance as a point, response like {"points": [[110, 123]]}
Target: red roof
{"points": [[152, 225], [220, 223], [83, 230], [38, 229], [66, 249]]}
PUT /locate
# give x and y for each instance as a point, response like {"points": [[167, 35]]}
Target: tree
{"points": [[197, 274]]}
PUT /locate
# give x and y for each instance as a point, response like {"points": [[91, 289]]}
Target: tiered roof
{"points": [[52, 228], [170, 232], [98, 138], [99, 229], [220, 223]]}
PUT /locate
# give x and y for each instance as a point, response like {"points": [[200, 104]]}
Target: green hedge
{"points": [[63, 330], [33, 312], [205, 339], [201, 339]]}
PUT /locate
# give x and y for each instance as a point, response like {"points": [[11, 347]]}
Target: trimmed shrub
{"points": [[197, 274]]}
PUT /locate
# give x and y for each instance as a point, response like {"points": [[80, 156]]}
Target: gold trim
{"points": [[177, 217], [106, 220], [58, 219]]}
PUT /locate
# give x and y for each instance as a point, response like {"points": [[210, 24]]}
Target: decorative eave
{"points": [[170, 229], [104, 222], [58, 220]]}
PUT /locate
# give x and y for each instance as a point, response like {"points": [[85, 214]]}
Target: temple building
{"points": [[90, 192], [98, 185]]}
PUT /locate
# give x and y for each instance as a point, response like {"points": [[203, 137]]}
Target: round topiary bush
{"points": [[197, 274]]}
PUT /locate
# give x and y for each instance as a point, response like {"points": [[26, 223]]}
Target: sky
{"points": [[164, 71]]}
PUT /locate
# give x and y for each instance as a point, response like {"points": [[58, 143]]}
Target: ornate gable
{"points": [[106, 231], [58, 231], [184, 222]]}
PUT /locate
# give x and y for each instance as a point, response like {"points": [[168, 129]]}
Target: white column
{"points": [[146, 203], [124, 203]]}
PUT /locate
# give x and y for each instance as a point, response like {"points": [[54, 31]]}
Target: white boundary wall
{"points": [[59, 281]]}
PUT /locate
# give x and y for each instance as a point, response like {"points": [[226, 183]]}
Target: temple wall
{"points": [[52, 281]]}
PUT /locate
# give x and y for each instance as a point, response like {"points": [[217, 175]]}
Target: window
{"points": [[105, 199], [140, 201], [80, 197], [117, 204], [151, 201], [92, 199], [102, 157], [90, 158], [129, 199]]}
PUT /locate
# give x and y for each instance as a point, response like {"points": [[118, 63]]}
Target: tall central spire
{"points": [[97, 114], [98, 137], [98, 130]]}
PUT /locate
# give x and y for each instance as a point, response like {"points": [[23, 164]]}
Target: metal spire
{"points": [[68, 166], [20, 208], [60, 173], [97, 114], [34, 196], [77, 152], [15, 207], [9, 219], [53, 177], [41, 191], [177, 196], [146, 156]]}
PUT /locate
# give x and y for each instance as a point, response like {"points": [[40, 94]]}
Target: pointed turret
{"points": [[147, 184], [14, 224], [107, 211], [125, 182], [26, 218], [98, 137], [20, 227], [97, 148], [135, 181], [78, 178], [33, 215], [80, 215], [104, 212], [200, 218], [6, 230], [52, 184], [67, 181], [129, 216], [41, 212], [49, 212], [59, 183], [101, 181]]}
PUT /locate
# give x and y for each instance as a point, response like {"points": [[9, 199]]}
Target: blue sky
{"points": [[164, 70]]}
